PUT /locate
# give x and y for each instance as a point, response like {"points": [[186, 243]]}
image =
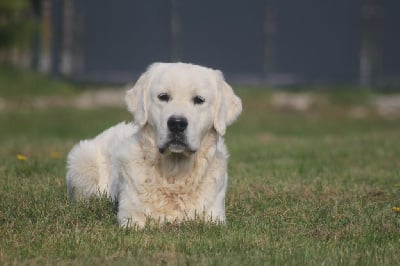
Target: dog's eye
{"points": [[164, 97], [198, 100]]}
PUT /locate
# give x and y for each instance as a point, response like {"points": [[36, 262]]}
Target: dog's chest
{"points": [[183, 189], [179, 197], [176, 196]]}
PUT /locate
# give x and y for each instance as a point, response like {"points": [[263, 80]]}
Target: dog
{"points": [[170, 163]]}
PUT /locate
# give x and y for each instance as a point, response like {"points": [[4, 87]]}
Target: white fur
{"points": [[125, 162]]}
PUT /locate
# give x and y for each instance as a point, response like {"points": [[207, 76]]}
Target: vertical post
{"points": [[67, 37], [269, 38], [176, 30], [78, 47], [56, 36], [45, 37], [37, 14], [370, 57]]}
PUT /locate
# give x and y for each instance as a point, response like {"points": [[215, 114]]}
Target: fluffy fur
{"points": [[150, 170]]}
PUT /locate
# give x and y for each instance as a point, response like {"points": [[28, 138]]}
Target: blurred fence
{"points": [[255, 42]]}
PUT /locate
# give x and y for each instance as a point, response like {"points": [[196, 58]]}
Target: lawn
{"points": [[309, 187]]}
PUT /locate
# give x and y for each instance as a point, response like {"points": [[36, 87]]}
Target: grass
{"points": [[308, 188], [21, 85]]}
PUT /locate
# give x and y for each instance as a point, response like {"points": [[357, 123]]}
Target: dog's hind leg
{"points": [[87, 171]]}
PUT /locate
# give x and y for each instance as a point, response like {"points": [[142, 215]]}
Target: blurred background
{"points": [[257, 42]]}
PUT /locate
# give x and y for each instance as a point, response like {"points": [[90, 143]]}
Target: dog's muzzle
{"points": [[177, 142]]}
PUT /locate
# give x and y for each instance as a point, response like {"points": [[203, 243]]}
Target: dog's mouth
{"points": [[176, 144]]}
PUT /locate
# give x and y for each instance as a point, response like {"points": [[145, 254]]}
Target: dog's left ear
{"points": [[136, 99], [229, 106]]}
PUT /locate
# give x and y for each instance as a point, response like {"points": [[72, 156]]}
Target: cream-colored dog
{"points": [[170, 163]]}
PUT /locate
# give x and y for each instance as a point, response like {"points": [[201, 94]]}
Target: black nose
{"points": [[177, 124]]}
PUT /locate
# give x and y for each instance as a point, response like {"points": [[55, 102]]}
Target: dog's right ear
{"points": [[136, 99]]}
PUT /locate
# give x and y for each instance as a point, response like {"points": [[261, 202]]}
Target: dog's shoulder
{"points": [[128, 149]]}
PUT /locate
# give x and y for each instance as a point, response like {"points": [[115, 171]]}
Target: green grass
{"points": [[22, 85], [304, 189]]}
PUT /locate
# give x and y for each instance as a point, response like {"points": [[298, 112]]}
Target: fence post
{"points": [[56, 36], [370, 57], [269, 38]]}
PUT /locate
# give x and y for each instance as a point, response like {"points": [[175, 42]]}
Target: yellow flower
{"points": [[396, 209], [55, 155], [21, 157]]}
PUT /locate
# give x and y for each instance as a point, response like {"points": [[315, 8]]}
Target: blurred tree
{"points": [[16, 25]]}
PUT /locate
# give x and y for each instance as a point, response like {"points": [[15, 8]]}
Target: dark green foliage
{"points": [[16, 28]]}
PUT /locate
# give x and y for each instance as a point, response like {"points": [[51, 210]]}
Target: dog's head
{"points": [[182, 103]]}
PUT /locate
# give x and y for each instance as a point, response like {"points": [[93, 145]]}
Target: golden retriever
{"points": [[170, 164]]}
